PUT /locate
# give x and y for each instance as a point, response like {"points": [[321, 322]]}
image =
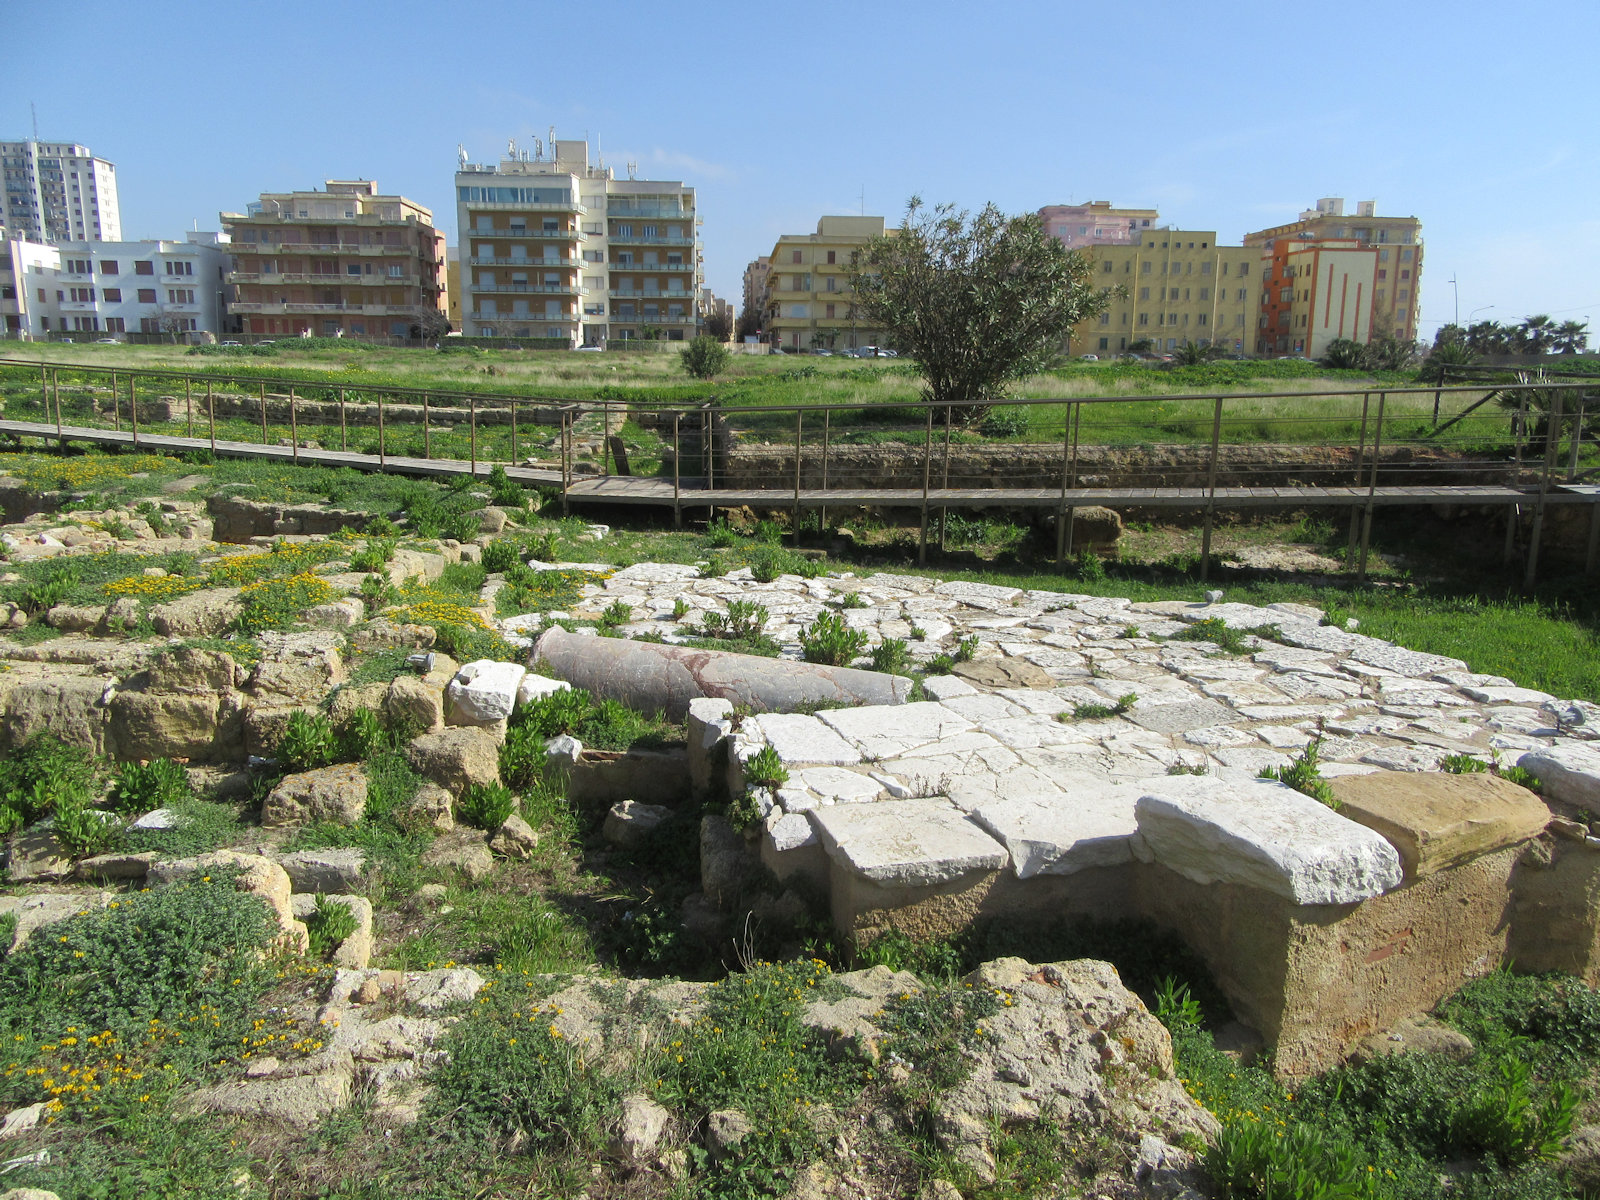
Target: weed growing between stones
{"points": [[522, 756], [599, 725], [765, 769], [308, 742], [330, 922], [1303, 773], [41, 775], [1462, 764], [280, 603], [828, 640], [1094, 711], [485, 806], [891, 655], [1227, 639]]}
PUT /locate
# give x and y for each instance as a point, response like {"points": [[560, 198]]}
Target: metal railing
{"points": [[1520, 447]]}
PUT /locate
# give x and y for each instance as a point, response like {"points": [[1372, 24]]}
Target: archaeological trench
{"points": [[974, 802]]}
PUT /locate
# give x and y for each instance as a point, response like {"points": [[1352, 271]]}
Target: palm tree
{"points": [[1488, 337], [1571, 337], [1534, 335]]}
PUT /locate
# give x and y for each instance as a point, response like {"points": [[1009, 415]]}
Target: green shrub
{"points": [[966, 648], [1100, 712], [391, 783], [890, 655], [504, 491], [328, 926], [765, 769], [1503, 1119], [377, 555], [279, 603], [618, 612], [830, 641], [1256, 1159], [1005, 422], [744, 621], [485, 806], [940, 664], [40, 774], [1462, 764], [547, 547], [502, 555], [560, 712], [361, 736], [308, 742], [377, 593], [144, 787], [522, 756], [83, 831], [704, 357], [1303, 773], [1523, 778]]}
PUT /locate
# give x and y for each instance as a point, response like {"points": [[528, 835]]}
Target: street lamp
{"points": [[1476, 311]]}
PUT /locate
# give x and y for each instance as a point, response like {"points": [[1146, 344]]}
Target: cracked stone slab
{"points": [[906, 843], [886, 731], [802, 739], [1088, 822], [1265, 836], [1570, 773], [1507, 695], [1401, 661], [835, 785]]}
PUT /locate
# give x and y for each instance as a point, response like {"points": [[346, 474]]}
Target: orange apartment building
{"points": [[345, 262]]}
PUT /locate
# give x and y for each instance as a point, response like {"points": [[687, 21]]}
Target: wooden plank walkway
{"points": [[659, 493]]}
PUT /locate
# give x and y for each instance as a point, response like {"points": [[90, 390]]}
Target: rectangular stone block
{"points": [[909, 843]]}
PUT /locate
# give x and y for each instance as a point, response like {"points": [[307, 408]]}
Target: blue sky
{"points": [[1477, 118]]}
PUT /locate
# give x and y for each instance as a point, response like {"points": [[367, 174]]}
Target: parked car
{"points": [[821, 353], [591, 349], [236, 345], [870, 352], [106, 342], [1088, 358]]}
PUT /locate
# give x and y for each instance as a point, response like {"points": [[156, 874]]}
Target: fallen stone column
{"points": [[651, 675]]}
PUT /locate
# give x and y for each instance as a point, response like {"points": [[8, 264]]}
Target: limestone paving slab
{"points": [[801, 739], [880, 732], [1088, 822], [1265, 836], [906, 843]]}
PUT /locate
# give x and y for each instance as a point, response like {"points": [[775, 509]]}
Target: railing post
{"points": [[294, 428], [116, 405], [263, 414], [799, 424], [427, 433], [1211, 491], [512, 456], [188, 405], [133, 407], [1361, 454], [677, 463], [1577, 440], [1061, 508], [472, 420], [822, 514], [927, 473], [605, 437], [566, 457], [344, 440], [211, 415], [1436, 393], [944, 509], [383, 450], [1552, 447], [1514, 514], [1372, 489], [46, 393]]}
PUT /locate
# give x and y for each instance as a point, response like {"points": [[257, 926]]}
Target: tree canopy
{"points": [[980, 301]]}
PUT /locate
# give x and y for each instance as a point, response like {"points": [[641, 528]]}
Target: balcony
{"points": [[647, 267], [650, 212], [627, 239], [549, 235], [658, 319], [522, 318], [281, 277], [649, 295], [547, 289], [565, 264], [473, 206]]}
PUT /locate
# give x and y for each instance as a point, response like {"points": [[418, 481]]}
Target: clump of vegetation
{"points": [[1463, 764], [308, 742], [485, 806], [42, 775], [1303, 773], [330, 922], [830, 641], [705, 357], [144, 787], [379, 552], [744, 621], [1095, 711], [279, 603], [891, 655], [1227, 639], [765, 769]]}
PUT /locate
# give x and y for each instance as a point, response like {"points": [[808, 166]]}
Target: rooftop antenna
{"points": [[511, 148], [34, 109], [863, 199], [461, 155], [538, 149], [552, 141], [633, 170]]}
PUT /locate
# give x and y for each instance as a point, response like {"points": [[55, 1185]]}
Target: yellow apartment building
{"points": [[809, 305], [345, 262], [1173, 286], [1392, 246]]}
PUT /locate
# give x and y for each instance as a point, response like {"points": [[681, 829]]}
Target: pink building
{"points": [[1096, 223]]}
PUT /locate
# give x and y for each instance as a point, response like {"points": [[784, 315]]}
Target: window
{"points": [[1242, 295], [1144, 318], [144, 268], [830, 310], [1106, 266], [397, 270], [1144, 268], [180, 295], [180, 268], [116, 325], [1403, 294], [1383, 273], [1144, 293], [1201, 319], [113, 295], [1405, 273], [352, 268], [832, 257], [147, 295], [794, 256], [78, 266], [1244, 269], [83, 295], [1205, 268], [1105, 342], [833, 283], [1105, 318], [108, 266]]}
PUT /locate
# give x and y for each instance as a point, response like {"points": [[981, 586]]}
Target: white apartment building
{"points": [[58, 192], [557, 250], [87, 290]]}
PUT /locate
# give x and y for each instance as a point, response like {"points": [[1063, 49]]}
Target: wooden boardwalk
{"points": [[692, 492]]}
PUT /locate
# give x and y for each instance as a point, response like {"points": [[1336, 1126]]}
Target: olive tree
{"points": [[980, 301]]}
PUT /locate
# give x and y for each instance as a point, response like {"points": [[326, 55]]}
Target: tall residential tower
{"points": [[58, 192]]}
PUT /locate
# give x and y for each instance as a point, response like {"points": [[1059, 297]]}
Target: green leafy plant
{"points": [[1462, 764], [279, 603], [39, 775], [1094, 711], [144, 787], [743, 621], [853, 600], [1523, 777], [765, 769], [546, 547], [83, 831], [1503, 1118], [1090, 568], [502, 555], [891, 655], [330, 922], [561, 712], [361, 736], [617, 613], [704, 357], [377, 593], [308, 742], [680, 608], [379, 552], [1303, 773], [485, 806], [830, 641], [522, 756], [966, 648], [940, 664], [504, 491], [1256, 1159]]}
